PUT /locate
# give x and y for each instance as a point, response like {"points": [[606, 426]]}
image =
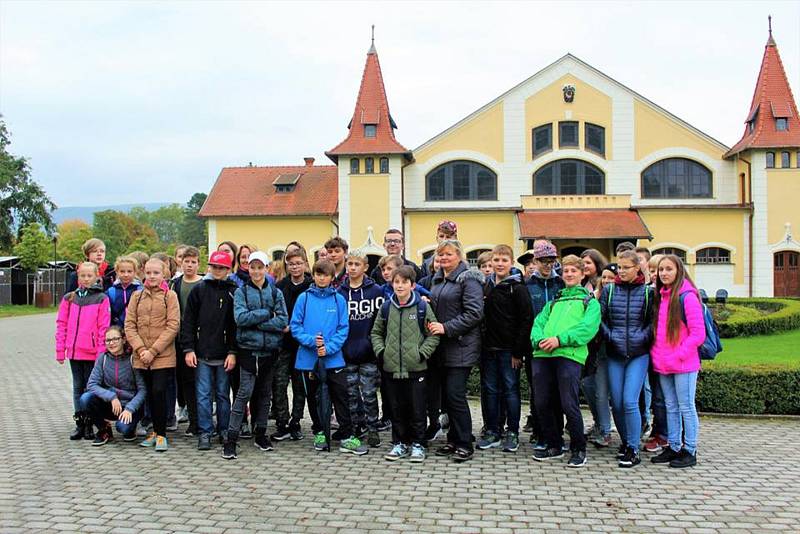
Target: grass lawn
{"points": [[10, 310], [775, 350]]}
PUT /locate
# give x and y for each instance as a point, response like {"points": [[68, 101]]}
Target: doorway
{"points": [[786, 268]]}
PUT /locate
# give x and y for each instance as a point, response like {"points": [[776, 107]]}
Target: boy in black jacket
{"points": [[508, 320], [208, 339], [296, 282]]}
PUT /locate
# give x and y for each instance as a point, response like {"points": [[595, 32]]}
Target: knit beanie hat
{"points": [[544, 249]]}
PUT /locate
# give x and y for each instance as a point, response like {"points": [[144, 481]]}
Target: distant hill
{"points": [[86, 213]]}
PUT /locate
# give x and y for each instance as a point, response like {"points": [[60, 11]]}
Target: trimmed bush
{"points": [[783, 314], [749, 390]]}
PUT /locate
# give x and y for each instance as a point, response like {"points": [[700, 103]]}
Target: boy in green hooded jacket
{"points": [[559, 336]]}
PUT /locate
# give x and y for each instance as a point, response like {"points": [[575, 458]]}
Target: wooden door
{"points": [[787, 274]]}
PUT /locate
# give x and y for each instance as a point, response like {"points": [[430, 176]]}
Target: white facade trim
{"points": [[344, 198], [787, 243], [481, 246], [717, 244], [212, 234], [763, 274]]}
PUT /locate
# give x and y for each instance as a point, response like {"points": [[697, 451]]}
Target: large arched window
{"points": [[569, 177], [671, 250], [461, 180], [713, 255], [676, 178]]}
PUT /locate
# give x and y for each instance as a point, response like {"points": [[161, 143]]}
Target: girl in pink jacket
{"points": [[679, 332], [83, 317]]}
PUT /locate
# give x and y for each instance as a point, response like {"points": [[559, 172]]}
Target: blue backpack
{"points": [[712, 345]]}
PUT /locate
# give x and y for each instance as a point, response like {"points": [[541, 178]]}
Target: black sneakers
{"points": [[229, 450], [281, 434], [577, 459], [551, 453], [103, 436], [684, 459], [630, 458], [373, 439], [621, 451], [262, 442], [666, 456]]}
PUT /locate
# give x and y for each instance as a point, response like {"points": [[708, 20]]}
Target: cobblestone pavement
{"points": [[748, 479]]}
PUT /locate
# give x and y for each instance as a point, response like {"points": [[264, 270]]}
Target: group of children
{"points": [[390, 350]]}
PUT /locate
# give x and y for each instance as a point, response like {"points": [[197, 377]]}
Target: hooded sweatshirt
{"points": [[320, 310], [507, 316], [113, 377], [363, 304], [683, 356], [81, 323], [574, 318]]}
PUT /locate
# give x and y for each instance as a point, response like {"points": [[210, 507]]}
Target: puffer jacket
{"points": [[152, 322], [113, 377], [682, 357], [320, 310], [543, 290], [398, 340], [81, 323], [260, 315], [574, 318], [457, 301], [507, 316], [363, 304], [626, 311]]}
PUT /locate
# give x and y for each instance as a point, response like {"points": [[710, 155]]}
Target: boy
{"points": [[208, 339], [292, 286], [94, 250], [260, 315], [403, 343], [336, 247], [182, 285], [364, 298], [559, 337], [394, 244], [543, 285], [485, 263], [388, 265], [320, 326], [507, 320], [120, 292]]}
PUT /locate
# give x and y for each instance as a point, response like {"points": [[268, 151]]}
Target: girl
{"points": [[457, 302], [593, 263], [116, 391], [151, 326], [241, 275], [625, 307], [120, 293], [276, 270], [679, 331], [81, 323]]}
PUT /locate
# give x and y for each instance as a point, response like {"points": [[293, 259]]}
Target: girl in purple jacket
{"points": [[679, 330], [81, 323]]}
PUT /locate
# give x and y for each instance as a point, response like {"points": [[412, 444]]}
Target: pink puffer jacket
{"points": [[682, 357], [81, 324]]}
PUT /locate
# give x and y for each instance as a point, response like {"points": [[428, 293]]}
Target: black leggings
{"points": [[157, 381]]}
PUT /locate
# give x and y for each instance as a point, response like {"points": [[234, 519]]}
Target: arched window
{"points": [[671, 250], [676, 178], [713, 255], [770, 160], [472, 256], [277, 255], [369, 165], [461, 180], [569, 177], [384, 165], [354, 166]]}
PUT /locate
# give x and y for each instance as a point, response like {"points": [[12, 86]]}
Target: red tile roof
{"points": [[582, 224], [772, 99], [249, 191], [372, 107]]}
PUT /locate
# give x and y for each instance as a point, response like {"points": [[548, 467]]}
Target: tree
{"points": [[119, 232], [167, 222], [22, 200], [193, 230], [33, 247], [72, 234]]}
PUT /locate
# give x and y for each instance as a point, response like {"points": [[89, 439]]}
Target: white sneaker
{"points": [[398, 451], [183, 415], [417, 453]]}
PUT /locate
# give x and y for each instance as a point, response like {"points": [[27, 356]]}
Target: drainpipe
{"points": [[750, 223]]}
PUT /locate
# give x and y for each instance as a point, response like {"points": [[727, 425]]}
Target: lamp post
{"points": [[55, 260]]}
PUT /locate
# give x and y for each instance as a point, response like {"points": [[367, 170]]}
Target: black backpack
{"points": [[421, 310]]}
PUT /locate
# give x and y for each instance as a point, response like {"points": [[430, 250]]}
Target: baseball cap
{"points": [[221, 259], [258, 256]]}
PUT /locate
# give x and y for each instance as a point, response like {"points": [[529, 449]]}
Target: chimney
{"points": [[309, 162]]}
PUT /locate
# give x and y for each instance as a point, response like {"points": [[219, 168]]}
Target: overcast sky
{"points": [[118, 102]]}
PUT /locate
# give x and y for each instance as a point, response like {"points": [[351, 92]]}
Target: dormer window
{"points": [[781, 124], [285, 183], [370, 130]]}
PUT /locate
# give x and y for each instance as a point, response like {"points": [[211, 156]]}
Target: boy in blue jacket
{"points": [[320, 326], [364, 298]]}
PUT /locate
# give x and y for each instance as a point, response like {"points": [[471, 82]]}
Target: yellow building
{"points": [[569, 154]]}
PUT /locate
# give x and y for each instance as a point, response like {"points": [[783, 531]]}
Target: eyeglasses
{"points": [[546, 261], [295, 264], [111, 340], [392, 241]]}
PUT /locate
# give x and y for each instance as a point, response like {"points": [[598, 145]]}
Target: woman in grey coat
{"points": [[457, 300]]}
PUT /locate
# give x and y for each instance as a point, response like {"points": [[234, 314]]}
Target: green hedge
{"points": [[784, 314], [741, 390]]}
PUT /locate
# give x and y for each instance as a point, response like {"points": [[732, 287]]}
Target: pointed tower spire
{"points": [[371, 129], [772, 121]]}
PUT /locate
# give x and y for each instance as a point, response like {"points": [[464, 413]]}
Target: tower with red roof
{"points": [[370, 161]]}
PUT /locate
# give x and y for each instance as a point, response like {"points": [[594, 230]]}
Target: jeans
{"points": [[557, 377], [625, 380], [455, 385], [100, 411], [408, 397], [172, 396], [81, 371], [659, 408], [206, 378], [500, 388], [595, 388], [645, 400], [157, 382], [679, 393], [285, 372], [363, 381], [255, 386], [185, 377], [337, 391]]}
